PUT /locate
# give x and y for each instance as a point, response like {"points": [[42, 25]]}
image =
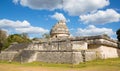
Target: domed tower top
{"points": [[59, 30]]}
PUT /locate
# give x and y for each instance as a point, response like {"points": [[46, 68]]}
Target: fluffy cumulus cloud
{"points": [[40, 4], [20, 27], [101, 17], [78, 7], [73, 7], [32, 30], [92, 30], [5, 23], [59, 16]]}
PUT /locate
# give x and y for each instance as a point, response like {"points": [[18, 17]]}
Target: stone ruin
{"points": [[60, 30], [62, 48]]}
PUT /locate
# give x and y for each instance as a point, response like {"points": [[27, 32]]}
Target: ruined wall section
{"points": [[51, 46], [55, 57], [105, 47], [72, 50], [17, 47], [25, 56], [74, 57], [8, 56]]}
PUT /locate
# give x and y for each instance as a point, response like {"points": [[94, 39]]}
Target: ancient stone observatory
{"points": [[61, 48], [59, 30]]}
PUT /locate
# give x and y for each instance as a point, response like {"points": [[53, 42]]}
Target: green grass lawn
{"points": [[96, 65]]}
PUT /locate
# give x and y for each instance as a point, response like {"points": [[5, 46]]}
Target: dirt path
{"points": [[6, 67]]}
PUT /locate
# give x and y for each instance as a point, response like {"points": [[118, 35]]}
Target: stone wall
{"points": [[25, 56], [105, 47], [118, 51], [9, 55], [72, 50], [108, 52], [77, 57], [104, 51], [74, 57], [55, 57], [90, 55], [80, 46], [70, 57], [58, 46], [17, 47]]}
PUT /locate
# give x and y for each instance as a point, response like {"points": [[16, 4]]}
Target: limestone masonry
{"points": [[62, 48]]}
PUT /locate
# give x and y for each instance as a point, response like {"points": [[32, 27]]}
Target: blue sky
{"points": [[83, 17]]}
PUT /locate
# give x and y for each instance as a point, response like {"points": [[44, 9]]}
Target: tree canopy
{"points": [[118, 34], [20, 38], [5, 40]]}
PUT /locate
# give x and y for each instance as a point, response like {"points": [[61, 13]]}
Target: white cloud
{"points": [[78, 7], [41, 4], [58, 16], [92, 30], [20, 27], [32, 30], [73, 7], [5, 23], [101, 17]]}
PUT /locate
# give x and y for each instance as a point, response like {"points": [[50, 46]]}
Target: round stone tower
{"points": [[59, 30]]}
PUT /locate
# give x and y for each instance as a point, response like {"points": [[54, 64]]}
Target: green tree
{"points": [[118, 34], [118, 37], [20, 38], [15, 38], [3, 37]]}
